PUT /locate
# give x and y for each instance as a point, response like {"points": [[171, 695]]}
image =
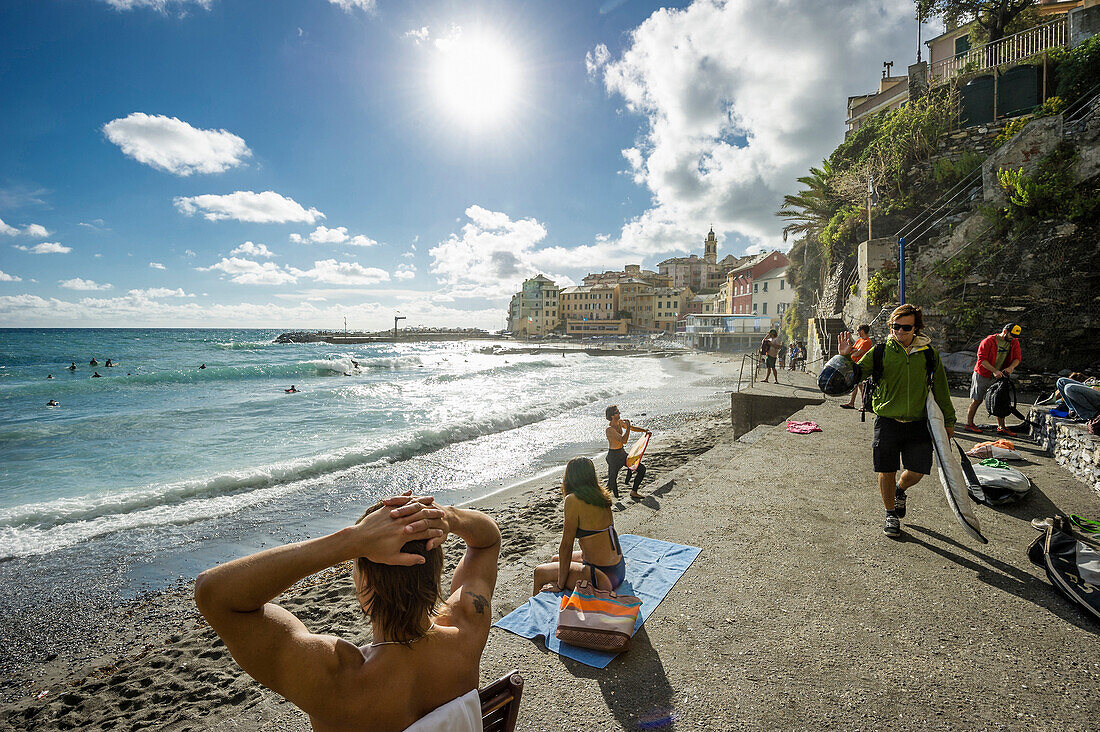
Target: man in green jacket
{"points": [[901, 430]]}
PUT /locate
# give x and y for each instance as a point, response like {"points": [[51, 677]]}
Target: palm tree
{"points": [[808, 212]]}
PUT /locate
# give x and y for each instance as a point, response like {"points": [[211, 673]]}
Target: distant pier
{"points": [[386, 336]]}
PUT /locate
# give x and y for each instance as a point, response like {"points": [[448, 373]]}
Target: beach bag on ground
{"points": [[597, 619], [1001, 450], [993, 486], [1072, 564]]}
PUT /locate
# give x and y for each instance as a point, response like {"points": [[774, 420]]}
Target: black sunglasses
{"points": [[906, 328]]}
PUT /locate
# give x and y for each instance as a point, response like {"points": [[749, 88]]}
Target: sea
{"points": [[161, 468]]}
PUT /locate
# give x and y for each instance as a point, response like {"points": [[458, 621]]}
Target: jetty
{"points": [[410, 335]]}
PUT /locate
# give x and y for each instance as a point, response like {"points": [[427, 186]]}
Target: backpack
{"points": [[872, 382], [1000, 400], [1072, 563]]}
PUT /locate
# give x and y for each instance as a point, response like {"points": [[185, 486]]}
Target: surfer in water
{"points": [[97, 375], [108, 364], [600, 558], [202, 367], [93, 362], [53, 403], [72, 366], [618, 434], [50, 376], [292, 390], [901, 427]]}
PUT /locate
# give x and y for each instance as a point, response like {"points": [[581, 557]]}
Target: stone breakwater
{"points": [[1070, 444]]}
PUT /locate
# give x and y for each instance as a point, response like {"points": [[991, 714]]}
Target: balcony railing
{"points": [[1010, 49]]}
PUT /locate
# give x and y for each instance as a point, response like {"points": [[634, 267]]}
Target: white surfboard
{"points": [[951, 472]]}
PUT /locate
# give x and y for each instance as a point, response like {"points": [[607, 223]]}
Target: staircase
{"points": [[826, 331]]}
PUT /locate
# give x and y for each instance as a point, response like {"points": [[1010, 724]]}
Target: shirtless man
{"points": [[425, 652], [618, 433]]}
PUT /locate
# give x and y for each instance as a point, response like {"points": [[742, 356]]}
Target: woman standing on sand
{"points": [[600, 558]]}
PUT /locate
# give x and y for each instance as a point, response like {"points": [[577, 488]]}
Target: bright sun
{"points": [[477, 79]]}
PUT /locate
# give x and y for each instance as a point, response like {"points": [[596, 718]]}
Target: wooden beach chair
{"points": [[500, 703]]}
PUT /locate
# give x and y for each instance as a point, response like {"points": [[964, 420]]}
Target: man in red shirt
{"points": [[859, 348], [998, 356]]}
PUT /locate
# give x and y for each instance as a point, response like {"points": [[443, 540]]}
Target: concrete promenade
{"points": [[800, 614]]}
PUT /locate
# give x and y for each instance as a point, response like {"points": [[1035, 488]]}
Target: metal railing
{"points": [[752, 371], [1009, 49]]}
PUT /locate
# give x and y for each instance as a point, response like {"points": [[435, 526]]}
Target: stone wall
{"points": [[1071, 445]]}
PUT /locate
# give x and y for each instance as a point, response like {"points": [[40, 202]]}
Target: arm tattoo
{"points": [[480, 603]]}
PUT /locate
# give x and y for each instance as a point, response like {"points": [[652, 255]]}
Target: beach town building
{"points": [[671, 306], [744, 285], [533, 310], [592, 310], [724, 332], [699, 273], [999, 79], [771, 294], [629, 272]]}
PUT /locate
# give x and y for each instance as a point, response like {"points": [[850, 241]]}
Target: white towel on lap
{"points": [[458, 715]]}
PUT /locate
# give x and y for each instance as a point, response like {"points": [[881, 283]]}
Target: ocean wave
{"points": [[46, 526], [319, 367], [512, 368]]}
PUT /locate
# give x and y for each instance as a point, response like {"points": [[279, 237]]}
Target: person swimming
{"points": [[72, 366], [600, 558], [292, 390], [53, 403], [97, 375], [93, 362]]}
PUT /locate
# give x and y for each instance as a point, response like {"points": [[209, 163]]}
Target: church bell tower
{"points": [[710, 253]]}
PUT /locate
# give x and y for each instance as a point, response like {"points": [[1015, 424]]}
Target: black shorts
{"points": [[901, 442]]}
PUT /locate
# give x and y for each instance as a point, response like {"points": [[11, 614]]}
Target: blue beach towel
{"points": [[652, 568]]}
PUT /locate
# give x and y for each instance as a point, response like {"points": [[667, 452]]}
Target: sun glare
{"points": [[477, 79]]}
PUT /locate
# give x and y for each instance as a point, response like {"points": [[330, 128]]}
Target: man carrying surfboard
{"points": [[899, 396], [618, 433]]}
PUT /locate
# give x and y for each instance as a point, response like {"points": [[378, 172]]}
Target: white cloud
{"points": [[36, 230], [78, 283], [332, 272], [257, 208], [188, 253], [132, 311], [491, 256], [46, 247], [155, 292], [248, 249], [738, 99], [419, 35], [349, 5], [337, 235], [596, 59], [172, 145], [94, 224], [160, 5], [247, 272], [329, 271], [5, 277], [404, 272], [156, 265]]}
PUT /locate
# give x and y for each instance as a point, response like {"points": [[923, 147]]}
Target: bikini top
{"points": [[581, 533]]}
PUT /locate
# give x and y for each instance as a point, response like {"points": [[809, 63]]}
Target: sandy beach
{"points": [[797, 615]]}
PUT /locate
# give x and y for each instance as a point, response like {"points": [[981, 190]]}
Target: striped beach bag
{"points": [[597, 619]]}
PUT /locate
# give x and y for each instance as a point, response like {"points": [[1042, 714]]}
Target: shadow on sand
{"points": [[634, 686]]}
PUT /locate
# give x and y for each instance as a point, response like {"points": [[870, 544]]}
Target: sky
{"points": [[289, 163]]}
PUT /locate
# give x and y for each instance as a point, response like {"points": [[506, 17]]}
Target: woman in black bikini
{"points": [[600, 558]]}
